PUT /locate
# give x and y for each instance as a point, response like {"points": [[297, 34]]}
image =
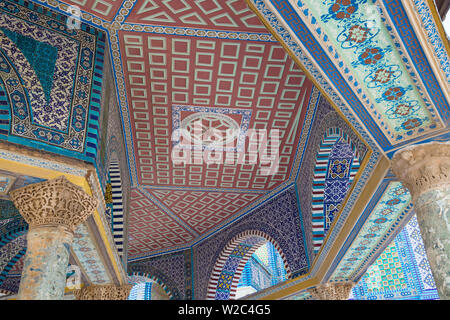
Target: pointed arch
{"points": [[231, 262], [327, 160]]}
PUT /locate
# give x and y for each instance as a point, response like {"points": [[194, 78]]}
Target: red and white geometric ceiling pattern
{"points": [[190, 55]]}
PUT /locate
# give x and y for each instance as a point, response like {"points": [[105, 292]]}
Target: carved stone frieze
{"points": [[103, 292], [53, 202], [423, 167], [332, 291]]}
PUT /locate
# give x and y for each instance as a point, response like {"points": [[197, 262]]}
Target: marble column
{"points": [[53, 209], [332, 291], [103, 292], [425, 170]]}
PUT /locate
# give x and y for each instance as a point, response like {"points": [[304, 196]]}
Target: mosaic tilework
{"points": [[313, 51], [325, 119], [147, 291], [104, 9], [254, 275], [88, 256], [11, 283], [302, 295], [203, 210], [436, 41], [10, 253], [231, 15], [12, 229], [8, 210], [232, 260], [141, 291], [168, 70], [335, 169], [141, 278], [266, 259], [54, 103], [112, 154], [279, 218], [151, 228], [421, 260], [391, 208], [171, 270], [395, 13], [17, 268], [400, 272], [6, 182]]}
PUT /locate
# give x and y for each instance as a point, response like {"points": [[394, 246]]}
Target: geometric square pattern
{"points": [[163, 71], [204, 210], [386, 273], [395, 200], [152, 229], [231, 15], [51, 78], [399, 273]]}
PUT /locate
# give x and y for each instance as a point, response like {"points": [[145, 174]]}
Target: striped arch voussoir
{"points": [[117, 205], [226, 252], [146, 276]]}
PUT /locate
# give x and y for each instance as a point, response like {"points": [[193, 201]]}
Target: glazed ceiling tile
{"points": [[104, 9], [393, 206], [17, 267], [368, 52], [366, 43], [63, 82]]}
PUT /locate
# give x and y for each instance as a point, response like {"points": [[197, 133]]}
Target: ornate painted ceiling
{"points": [[366, 55], [174, 59], [236, 64], [217, 59]]}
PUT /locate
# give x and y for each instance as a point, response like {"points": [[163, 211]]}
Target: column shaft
{"points": [[53, 209], [45, 263], [433, 215], [425, 170]]}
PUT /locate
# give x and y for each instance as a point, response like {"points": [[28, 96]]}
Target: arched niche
{"points": [[336, 165], [232, 260]]}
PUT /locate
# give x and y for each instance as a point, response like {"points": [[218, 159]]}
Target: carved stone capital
{"points": [[332, 291], [423, 167], [53, 202], [103, 292]]}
